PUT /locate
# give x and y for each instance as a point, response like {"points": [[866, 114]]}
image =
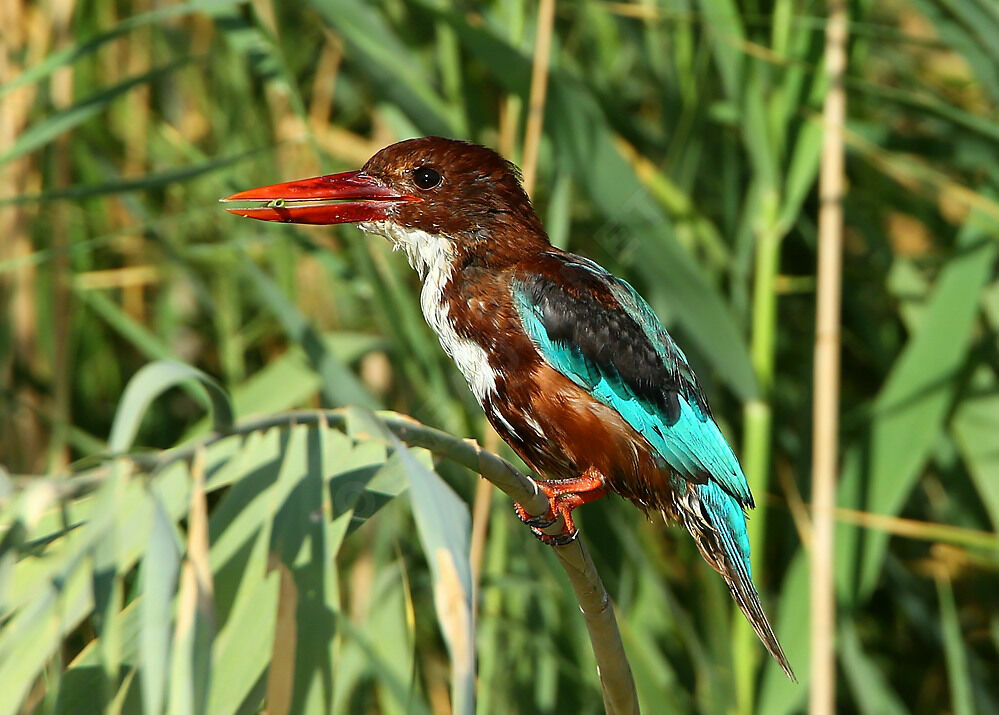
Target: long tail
{"points": [[718, 525]]}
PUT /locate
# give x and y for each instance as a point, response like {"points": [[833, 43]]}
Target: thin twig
{"points": [[796, 505], [822, 697], [539, 89], [955, 536]]}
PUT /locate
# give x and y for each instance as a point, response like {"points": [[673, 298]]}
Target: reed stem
{"points": [[825, 416]]}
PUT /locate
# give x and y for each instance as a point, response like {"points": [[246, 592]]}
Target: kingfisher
{"points": [[571, 366]]}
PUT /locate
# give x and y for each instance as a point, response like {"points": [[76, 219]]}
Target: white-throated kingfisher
{"points": [[570, 364]]}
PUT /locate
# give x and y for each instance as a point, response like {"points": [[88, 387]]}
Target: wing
{"points": [[598, 332]]}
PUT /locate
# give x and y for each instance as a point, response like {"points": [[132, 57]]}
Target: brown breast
{"points": [[561, 431]]}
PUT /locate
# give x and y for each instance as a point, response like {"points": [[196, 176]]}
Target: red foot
{"points": [[564, 495]]}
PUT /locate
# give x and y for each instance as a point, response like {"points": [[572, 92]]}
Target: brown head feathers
{"points": [[467, 191]]}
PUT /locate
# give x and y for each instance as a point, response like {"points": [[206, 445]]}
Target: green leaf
{"points": [[801, 172], [390, 634], [299, 539], [361, 657], [191, 666], [251, 35], [872, 693], [778, 695], [957, 663], [32, 636], [975, 426], [142, 338], [913, 402], [444, 526], [316, 574], [726, 37], [240, 524], [81, 687], [52, 593], [109, 583], [151, 382], [244, 645], [758, 138], [648, 622], [159, 574], [287, 381]]}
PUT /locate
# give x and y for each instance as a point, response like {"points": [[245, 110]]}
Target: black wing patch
{"points": [[611, 339]]}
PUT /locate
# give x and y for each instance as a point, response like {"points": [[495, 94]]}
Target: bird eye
{"points": [[426, 178]]}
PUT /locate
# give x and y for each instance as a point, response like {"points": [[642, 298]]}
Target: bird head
{"points": [[417, 191]]}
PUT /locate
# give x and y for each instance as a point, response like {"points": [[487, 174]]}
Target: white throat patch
{"points": [[432, 256]]}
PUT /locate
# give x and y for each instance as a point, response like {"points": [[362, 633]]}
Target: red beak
{"points": [[336, 198]]}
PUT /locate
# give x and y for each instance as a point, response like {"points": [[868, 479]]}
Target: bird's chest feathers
{"points": [[433, 258]]}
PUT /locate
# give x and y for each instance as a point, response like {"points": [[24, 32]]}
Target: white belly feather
{"points": [[432, 256]]}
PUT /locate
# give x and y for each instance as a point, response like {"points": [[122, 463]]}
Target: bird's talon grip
{"points": [[536, 522], [563, 539], [540, 522]]}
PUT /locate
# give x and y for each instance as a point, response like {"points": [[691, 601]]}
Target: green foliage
{"points": [[681, 146], [258, 583]]}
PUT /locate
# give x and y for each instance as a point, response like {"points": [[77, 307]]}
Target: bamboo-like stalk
{"points": [[757, 434], [61, 92], [21, 433], [825, 416], [539, 88]]}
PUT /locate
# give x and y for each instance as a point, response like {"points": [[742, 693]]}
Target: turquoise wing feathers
{"points": [[611, 343]]}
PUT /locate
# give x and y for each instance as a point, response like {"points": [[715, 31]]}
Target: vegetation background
{"points": [[680, 148]]}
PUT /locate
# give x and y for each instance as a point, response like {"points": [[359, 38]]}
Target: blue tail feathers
{"points": [[718, 525]]}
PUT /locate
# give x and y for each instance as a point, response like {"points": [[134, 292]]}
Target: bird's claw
{"points": [[539, 522], [563, 539], [535, 521], [564, 495]]}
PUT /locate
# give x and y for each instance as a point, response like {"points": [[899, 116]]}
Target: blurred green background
{"points": [[680, 149]]}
